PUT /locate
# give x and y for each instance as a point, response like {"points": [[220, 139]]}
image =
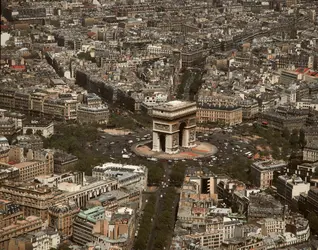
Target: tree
{"points": [[29, 131], [155, 174], [64, 246], [276, 152], [145, 224], [294, 138], [177, 174], [39, 132], [316, 172], [286, 133], [302, 138], [313, 221]]}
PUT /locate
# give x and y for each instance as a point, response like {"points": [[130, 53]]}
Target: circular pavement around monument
{"points": [[201, 150]]}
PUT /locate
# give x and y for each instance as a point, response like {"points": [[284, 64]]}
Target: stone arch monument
{"points": [[174, 126]]}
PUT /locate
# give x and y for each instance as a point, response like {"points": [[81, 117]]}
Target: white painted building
{"points": [[157, 97], [46, 130], [159, 49], [45, 240], [126, 175], [289, 187], [307, 104]]}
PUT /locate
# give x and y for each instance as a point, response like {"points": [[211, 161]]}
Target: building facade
{"points": [[61, 218], [44, 129], [110, 228], [98, 115], [44, 240], [28, 224], [289, 187], [217, 114], [7, 126], [310, 152], [263, 172]]}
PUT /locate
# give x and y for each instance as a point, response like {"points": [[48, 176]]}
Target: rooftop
{"points": [[174, 105]]}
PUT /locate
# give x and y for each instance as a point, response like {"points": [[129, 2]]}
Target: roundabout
{"points": [[201, 150], [174, 134]]}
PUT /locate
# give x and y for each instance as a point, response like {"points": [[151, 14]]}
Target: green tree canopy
{"points": [[302, 138], [29, 131], [313, 221]]}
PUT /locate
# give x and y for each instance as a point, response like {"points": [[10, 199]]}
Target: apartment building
{"points": [[28, 224], [7, 126], [127, 175], [61, 217], [244, 244], [227, 115], [43, 240], [7, 99], [61, 109], [9, 213], [262, 205], [159, 49], [98, 115], [280, 121], [190, 56], [289, 187], [215, 107], [307, 104], [33, 142], [4, 149], [310, 151], [33, 199], [287, 76], [111, 201], [298, 226], [306, 170], [18, 118], [82, 194], [21, 101], [30, 169], [63, 162], [271, 225], [7, 172], [262, 172], [312, 199], [98, 224], [34, 163], [250, 109], [40, 103], [209, 240]]}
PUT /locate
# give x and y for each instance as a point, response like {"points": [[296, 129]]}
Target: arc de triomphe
{"points": [[174, 126]]}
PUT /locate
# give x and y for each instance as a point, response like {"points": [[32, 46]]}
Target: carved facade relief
{"points": [[175, 140], [162, 127], [192, 122], [175, 127], [192, 135]]}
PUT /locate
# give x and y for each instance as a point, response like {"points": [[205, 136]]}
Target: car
{"points": [[125, 156]]}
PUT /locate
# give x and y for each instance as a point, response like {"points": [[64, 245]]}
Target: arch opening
{"points": [[181, 131], [162, 139]]}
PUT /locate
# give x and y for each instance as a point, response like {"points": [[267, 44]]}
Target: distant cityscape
{"points": [[159, 125]]}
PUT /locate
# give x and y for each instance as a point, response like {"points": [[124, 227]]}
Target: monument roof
{"points": [[175, 105]]}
